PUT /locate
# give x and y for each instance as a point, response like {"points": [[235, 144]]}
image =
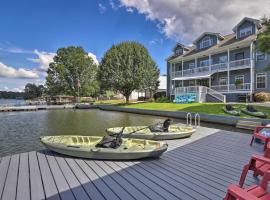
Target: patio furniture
{"points": [[262, 133], [258, 164], [254, 192]]}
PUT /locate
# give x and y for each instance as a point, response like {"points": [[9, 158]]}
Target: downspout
{"points": [[252, 62]]}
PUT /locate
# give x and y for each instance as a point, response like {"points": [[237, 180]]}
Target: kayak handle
{"points": [[95, 150]]}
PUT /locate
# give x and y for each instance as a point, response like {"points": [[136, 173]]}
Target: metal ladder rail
{"points": [[197, 120], [189, 119]]}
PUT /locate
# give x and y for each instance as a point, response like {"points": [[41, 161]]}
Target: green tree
{"points": [[72, 72], [32, 91], [263, 41], [125, 67]]}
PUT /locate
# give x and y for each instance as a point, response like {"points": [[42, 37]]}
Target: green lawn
{"points": [[208, 108]]}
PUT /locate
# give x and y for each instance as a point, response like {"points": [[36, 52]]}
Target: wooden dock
{"points": [[200, 167], [34, 108]]}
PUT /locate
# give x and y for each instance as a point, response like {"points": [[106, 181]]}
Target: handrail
{"points": [[189, 119], [216, 94], [197, 120]]}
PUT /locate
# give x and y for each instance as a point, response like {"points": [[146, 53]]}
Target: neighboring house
{"points": [[161, 88], [227, 66]]}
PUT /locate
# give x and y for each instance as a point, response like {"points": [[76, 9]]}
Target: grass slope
{"points": [[208, 108]]}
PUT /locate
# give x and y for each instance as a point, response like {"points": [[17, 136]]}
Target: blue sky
{"points": [[32, 30]]}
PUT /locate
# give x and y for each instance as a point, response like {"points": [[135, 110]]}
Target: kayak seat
{"points": [[229, 107], [250, 108], [164, 128]]}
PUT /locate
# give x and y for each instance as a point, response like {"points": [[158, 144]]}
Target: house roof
{"points": [[181, 45], [208, 33], [255, 21]]}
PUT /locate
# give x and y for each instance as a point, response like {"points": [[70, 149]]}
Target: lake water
{"points": [[20, 131], [11, 102]]}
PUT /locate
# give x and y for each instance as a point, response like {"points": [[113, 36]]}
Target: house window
{"points": [[239, 56], [222, 81], [246, 31], [204, 63], [260, 56], [178, 51], [206, 42], [223, 59], [191, 65], [239, 81], [261, 80]]}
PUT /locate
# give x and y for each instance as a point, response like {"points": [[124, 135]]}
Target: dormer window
{"points": [[246, 31], [178, 51], [206, 42]]}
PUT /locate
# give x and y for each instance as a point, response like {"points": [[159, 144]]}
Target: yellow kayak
{"points": [[144, 132], [86, 147]]}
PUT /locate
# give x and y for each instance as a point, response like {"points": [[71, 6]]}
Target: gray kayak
{"points": [[143, 132], [85, 147]]}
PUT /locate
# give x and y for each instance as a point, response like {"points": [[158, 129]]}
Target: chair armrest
{"points": [[258, 128], [260, 158], [240, 193]]}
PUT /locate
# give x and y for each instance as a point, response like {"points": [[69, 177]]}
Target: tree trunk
{"points": [[127, 99]]}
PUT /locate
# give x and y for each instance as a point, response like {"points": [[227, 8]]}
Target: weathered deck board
{"points": [[200, 167], [23, 192], [9, 192], [3, 173]]}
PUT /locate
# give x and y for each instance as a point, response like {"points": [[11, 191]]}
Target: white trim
{"points": [[263, 74]]}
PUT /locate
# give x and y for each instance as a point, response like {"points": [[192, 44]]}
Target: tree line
{"points": [[124, 68]]}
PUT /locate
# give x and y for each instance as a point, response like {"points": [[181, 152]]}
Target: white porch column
{"points": [[182, 68], [170, 86], [210, 61], [228, 69], [251, 70]]}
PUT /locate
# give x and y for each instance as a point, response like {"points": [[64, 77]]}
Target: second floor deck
{"points": [[213, 68]]}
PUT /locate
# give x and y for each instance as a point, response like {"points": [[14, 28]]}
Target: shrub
{"points": [[262, 96], [162, 100], [159, 94]]}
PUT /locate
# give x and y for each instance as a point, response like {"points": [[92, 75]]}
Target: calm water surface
{"points": [[20, 131]]}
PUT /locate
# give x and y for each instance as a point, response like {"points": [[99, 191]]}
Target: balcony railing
{"points": [[240, 63], [232, 87], [237, 64]]}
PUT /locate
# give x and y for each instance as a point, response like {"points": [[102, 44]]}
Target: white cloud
{"points": [[94, 57], [184, 20], [113, 5], [102, 9], [44, 59], [10, 72], [15, 50]]}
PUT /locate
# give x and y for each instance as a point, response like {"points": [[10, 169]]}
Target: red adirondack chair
{"points": [[258, 135], [258, 164], [254, 192]]}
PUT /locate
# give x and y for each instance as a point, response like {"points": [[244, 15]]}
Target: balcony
{"points": [[232, 87], [219, 67]]}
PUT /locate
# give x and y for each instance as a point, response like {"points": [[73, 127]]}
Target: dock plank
{"points": [[36, 185], [50, 189], [121, 181], [115, 187], [23, 187], [84, 180], [102, 187], [72, 180], [60, 181], [9, 192], [4, 165]]}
